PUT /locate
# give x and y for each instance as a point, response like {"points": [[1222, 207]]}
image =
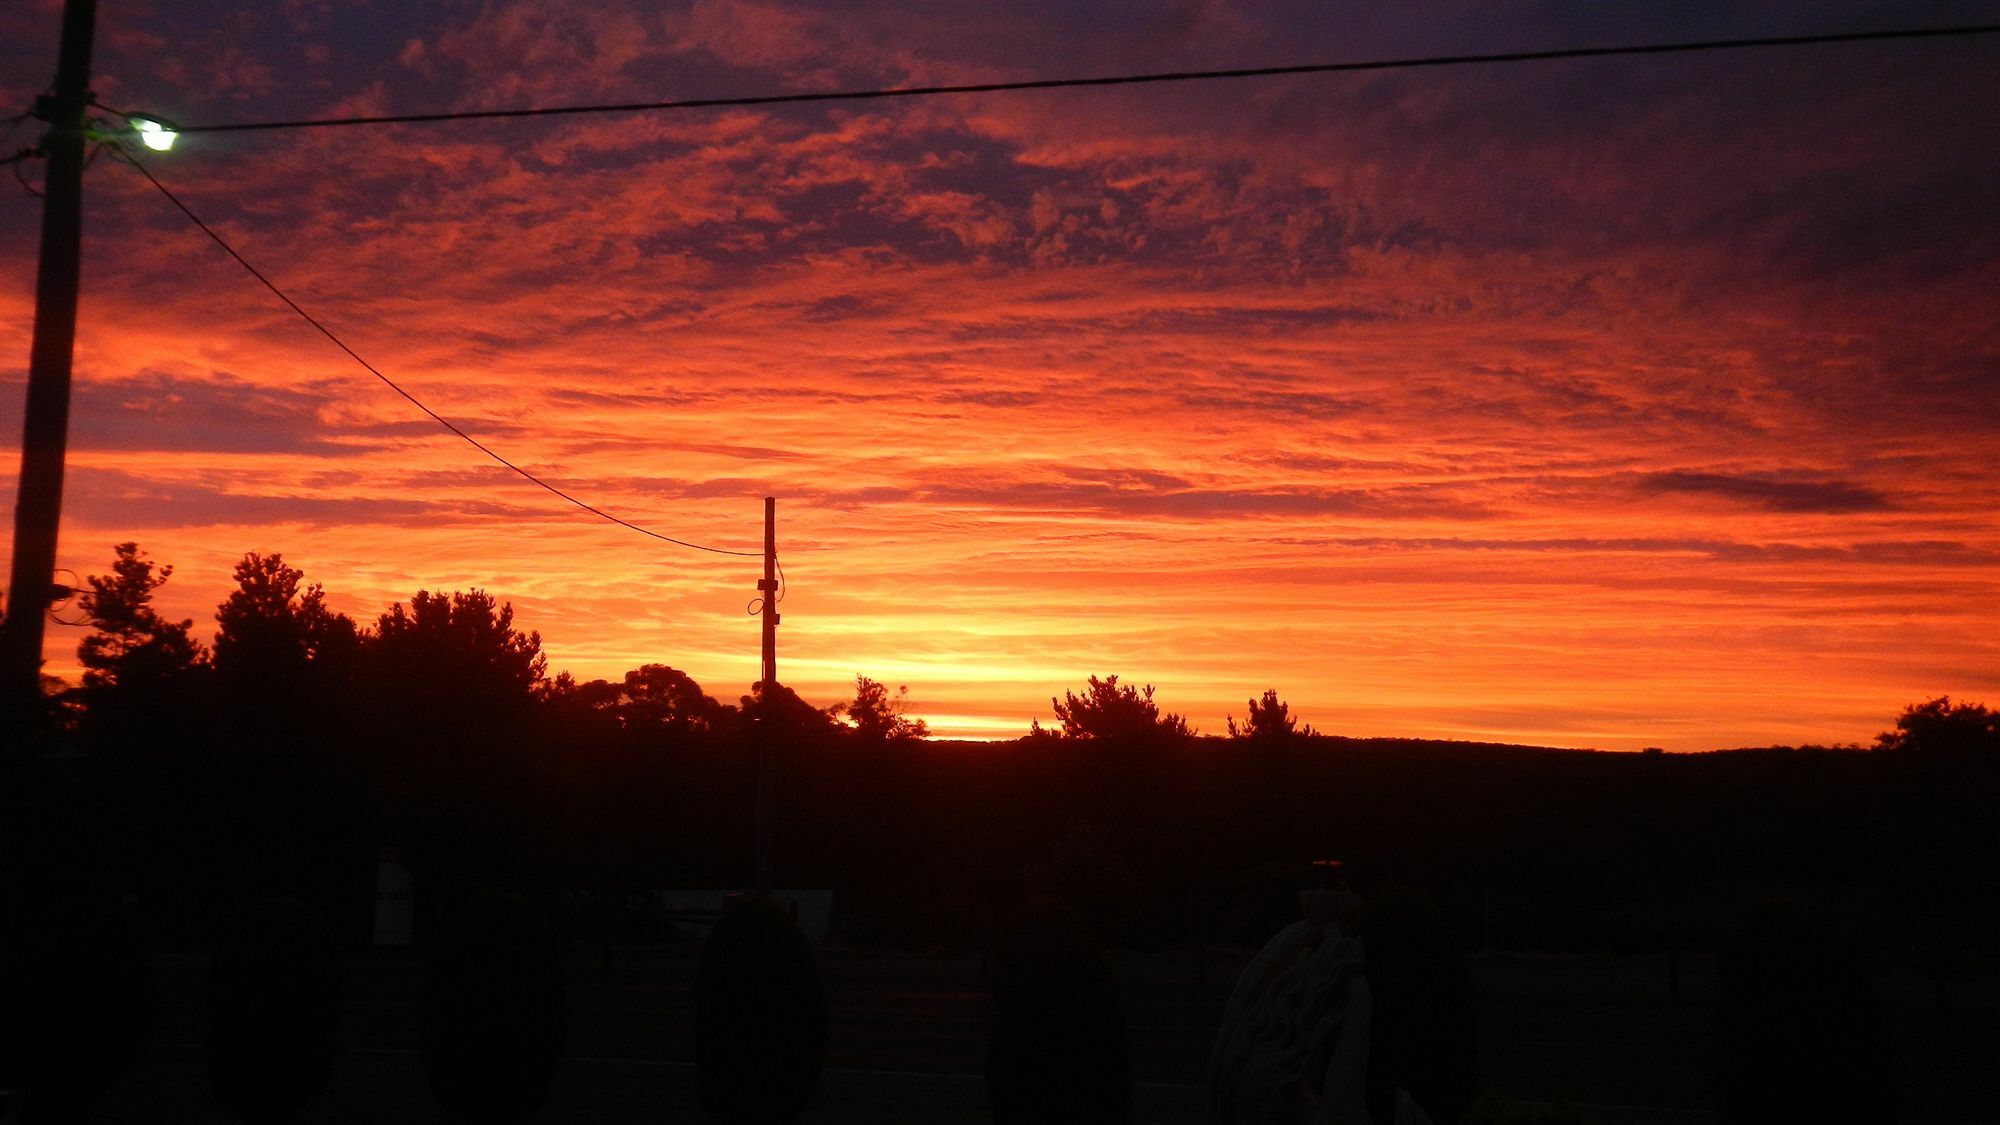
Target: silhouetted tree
{"points": [[1108, 711], [791, 716], [274, 640], [450, 692], [286, 785], [1939, 726], [1269, 720], [458, 652], [877, 716], [579, 711], [656, 700], [1935, 788], [134, 646], [144, 677]]}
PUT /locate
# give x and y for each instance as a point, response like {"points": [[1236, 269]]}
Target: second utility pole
{"points": [[767, 692]]}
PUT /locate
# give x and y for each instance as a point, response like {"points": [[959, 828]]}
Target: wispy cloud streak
{"points": [[1593, 403]]}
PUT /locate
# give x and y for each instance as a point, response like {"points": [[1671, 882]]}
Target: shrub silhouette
{"points": [[494, 1014], [1798, 1034], [760, 1017], [78, 1004], [1059, 1052], [274, 990], [1108, 711]]}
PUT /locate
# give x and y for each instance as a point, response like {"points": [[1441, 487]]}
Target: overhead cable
{"points": [[392, 385], [1115, 80]]}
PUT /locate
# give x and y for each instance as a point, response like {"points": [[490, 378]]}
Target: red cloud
{"points": [[1520, 403]]}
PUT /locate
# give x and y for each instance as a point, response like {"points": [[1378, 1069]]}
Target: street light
{"points": [[156, 133]]}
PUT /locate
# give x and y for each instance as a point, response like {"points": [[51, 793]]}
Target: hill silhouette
{"points": [[303, 743]]}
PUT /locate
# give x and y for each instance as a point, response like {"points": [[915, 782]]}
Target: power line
{"points": [[1117, 80], [391, 383]]}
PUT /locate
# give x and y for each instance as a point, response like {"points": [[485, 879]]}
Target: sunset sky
{"points": [[1617, 403]]}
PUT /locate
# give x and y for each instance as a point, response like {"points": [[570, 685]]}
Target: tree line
{"points": [[281, 757]]}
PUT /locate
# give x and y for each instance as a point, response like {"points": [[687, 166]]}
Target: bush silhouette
{"points": [[274, 990], [760, 1017], [78, 1001], [494, 1016], [1059, 1052]]}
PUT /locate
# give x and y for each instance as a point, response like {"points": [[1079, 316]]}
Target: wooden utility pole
{"points": [[767, 691], [45, 422]]}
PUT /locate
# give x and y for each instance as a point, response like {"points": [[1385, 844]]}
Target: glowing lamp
{"points": [[155, 133]]}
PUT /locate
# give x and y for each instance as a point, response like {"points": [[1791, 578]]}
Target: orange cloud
{"points": [[1580, 404]]}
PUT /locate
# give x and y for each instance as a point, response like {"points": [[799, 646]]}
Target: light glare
{"points": [[153, 134]]}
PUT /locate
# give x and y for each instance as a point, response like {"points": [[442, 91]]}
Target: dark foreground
{"points": [[1601, 1035]]}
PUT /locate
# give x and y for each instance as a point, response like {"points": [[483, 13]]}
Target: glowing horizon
{"points": [[1604, 403]]}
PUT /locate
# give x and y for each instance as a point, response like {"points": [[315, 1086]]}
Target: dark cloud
{"points": [[1771, 493], [119, 499], [995, 399], [1212, 333], [1928, 552], [654, 447], [1297, 405], [1143, 493], [651, 396], [216, 413], [222, 413]]}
